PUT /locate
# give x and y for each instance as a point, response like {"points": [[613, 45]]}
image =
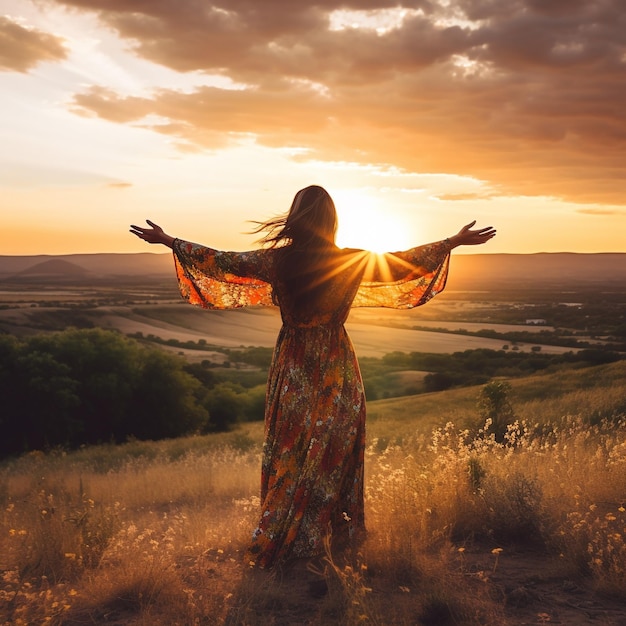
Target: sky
{"points": [[418, 118]]}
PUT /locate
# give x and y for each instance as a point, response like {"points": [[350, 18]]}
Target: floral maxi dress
{"points": [[312, 468]]}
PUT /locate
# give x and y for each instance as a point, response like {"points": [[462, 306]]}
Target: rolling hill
{"points": [[468, 272]]}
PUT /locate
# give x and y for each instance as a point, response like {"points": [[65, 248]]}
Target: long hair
{"points": [[311, 221], [304, 238]]}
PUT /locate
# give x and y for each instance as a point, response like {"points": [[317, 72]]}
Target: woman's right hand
{"points": [[154, 234]]}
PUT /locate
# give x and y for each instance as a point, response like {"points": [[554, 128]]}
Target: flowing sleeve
{"points": [[404, 280], [214, 279]]}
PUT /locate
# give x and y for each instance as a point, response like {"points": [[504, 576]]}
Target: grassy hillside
{"points": [[463, 530], [597, 392]]}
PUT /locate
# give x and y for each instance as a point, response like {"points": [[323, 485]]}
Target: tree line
{"points": [[91, 386], [466, 368], [88, 386]]}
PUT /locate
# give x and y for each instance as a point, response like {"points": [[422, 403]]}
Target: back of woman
{"points": [[312, 468], [316, 287]]}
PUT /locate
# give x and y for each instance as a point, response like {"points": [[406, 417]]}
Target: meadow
{"points": [[464, 527], [481, 509]]}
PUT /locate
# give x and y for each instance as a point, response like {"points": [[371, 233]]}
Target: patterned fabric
{"points": [[312, 469]]}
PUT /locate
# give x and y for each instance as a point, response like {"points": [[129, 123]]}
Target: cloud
{"points": [[17, 174], [456, 197], [23, 48], [527, 95], [119, 185], [601, 212]]}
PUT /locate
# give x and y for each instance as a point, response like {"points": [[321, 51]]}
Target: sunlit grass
{"points": [[154, 533]]}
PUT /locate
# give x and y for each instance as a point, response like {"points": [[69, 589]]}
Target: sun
{"points": [[362, 224]]}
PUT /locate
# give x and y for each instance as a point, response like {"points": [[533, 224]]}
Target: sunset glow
{"points": [[205, 116], [364, 225]]}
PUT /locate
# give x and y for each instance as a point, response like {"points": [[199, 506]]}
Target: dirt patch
{"points": [[527, 588], [533, 588]]}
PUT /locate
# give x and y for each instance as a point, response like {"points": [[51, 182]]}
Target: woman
{"points": [[312, 470]]}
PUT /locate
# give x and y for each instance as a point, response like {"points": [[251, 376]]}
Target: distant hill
{"points": [[106, 265], [540, 270], [468, 272], [54, 267]]}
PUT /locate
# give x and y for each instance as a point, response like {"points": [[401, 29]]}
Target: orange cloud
{"points": [[529, 96], [119, 185], [607, 212], [456, 197], [22, 48]]}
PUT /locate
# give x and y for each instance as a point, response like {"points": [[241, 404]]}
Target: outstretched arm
{"points": [[468, 237], [155, 234]]}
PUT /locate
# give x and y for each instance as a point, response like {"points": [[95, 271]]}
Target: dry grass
{"points": [[154, 533]]}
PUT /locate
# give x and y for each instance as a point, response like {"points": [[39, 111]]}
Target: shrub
{"points": [[494, 405]]}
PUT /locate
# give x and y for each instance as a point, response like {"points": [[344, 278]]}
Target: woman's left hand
{"points": [[468, 237]]}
